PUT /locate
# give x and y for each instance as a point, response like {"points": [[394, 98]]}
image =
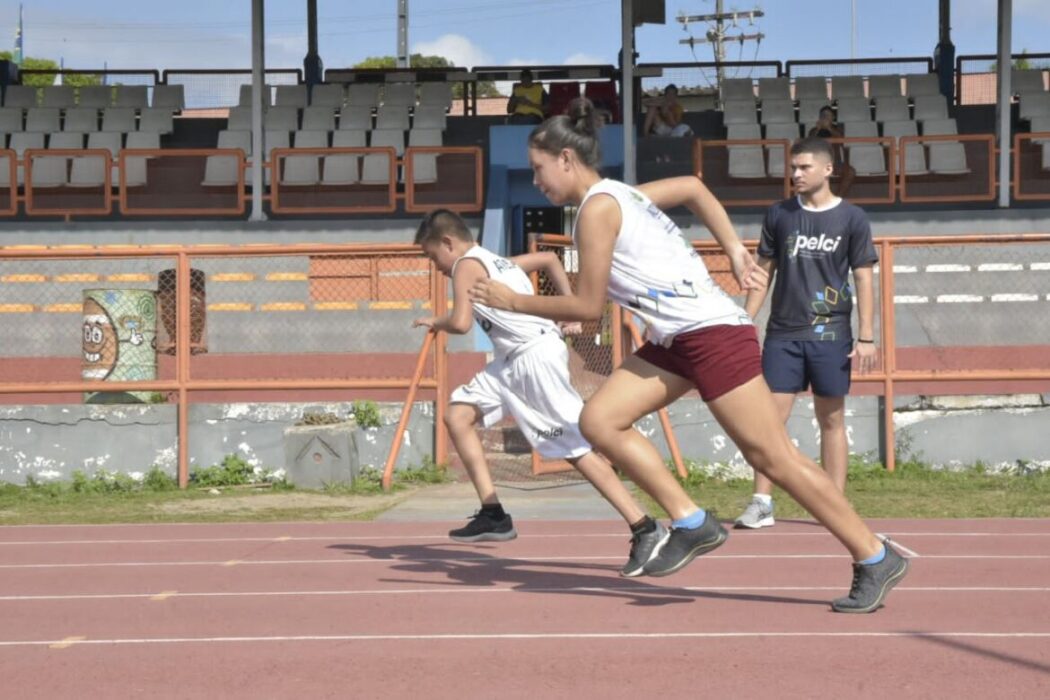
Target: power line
{"points": [[717, 34]]}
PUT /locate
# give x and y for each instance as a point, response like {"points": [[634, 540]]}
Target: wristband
{"points": [[862, 340]]}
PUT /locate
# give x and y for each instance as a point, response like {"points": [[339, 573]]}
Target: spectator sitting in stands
{"points": [[827, 128], [664, 117], [528, 101]]}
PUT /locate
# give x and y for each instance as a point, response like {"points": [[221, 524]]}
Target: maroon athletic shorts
{"points": [[717, 359]]}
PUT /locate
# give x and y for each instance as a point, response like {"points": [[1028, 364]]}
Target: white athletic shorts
{"points": [[532, 385]]}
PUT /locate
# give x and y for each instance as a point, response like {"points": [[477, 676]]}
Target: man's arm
{"points": [[757, 297], [550, 264], [460, 319], [863, 278], [691, 192]]}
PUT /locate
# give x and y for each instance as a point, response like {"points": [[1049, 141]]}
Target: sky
{"points": [[211, 34]]}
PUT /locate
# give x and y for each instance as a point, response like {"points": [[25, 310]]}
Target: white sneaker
{"points": [[756, 515]]}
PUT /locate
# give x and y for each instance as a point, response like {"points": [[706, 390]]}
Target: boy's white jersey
{"points": [[507, 330], [657, 274]]}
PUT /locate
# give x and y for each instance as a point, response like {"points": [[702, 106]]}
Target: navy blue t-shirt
{"points": [[814, 252]]}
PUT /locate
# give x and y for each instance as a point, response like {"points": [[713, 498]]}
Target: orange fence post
{"points": [[182, 351], [395, 445], [889, 353]]}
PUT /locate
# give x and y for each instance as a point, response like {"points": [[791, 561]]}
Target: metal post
{"points": [[944, 54], [258, 147], [1002, 101], [627, 92], [402, 34], [313, 67]]}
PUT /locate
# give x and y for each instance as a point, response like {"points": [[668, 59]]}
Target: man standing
{"points": [[809, 245]]}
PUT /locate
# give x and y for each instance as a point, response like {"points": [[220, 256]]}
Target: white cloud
{"points": [[457, 49], [584, 59]]}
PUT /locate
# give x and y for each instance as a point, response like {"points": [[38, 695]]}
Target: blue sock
{"points": [[875, 558], [691, 521]]}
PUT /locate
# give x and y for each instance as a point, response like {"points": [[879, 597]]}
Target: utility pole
{"points": [[716, 32], [402, 34]]}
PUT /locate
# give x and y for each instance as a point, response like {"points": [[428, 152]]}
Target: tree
{"points": [[46, 79], [1021, 63], [485, 88]]}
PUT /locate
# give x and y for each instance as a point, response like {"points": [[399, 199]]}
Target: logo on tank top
{"points": [[811, 246], [549, 434]]}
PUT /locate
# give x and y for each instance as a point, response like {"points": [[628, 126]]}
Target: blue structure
{"points": [[510, 188]]}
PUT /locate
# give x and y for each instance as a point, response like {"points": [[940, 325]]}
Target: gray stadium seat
{"points": [[222, 170], [135, 166], [283, 118], [811, 88], [291, 96], [355, 118], [853, 109], [118, 119], [946, 157], [83, 119], [867, 159], [738, 89], [90, 171], [920, 84], [304, 170], [319, 118], [375, 167], [240, 119], [439, 94], [133, 96], [424, 165], [327, 95], [892, 109], [24, 96], [399, 94], [44, 119], [930, 107], [342, 169], [773, 88], [171, 97], [1026, 81], [746, 161], [10, 120], [59, 97], [1034, 104], [884, 86], [156, 119], [740, 112], [915, 154], [245, 96], [429, 117], [392, 116], [775, 154], [843, 86], [362, 94], [777, 111], [809, 111], [97, 96], [21, 142]]}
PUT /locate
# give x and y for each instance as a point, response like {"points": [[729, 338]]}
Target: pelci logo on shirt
{"points": [[801, 243]]}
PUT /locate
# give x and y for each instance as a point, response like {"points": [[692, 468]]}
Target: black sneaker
{"points": [[644, 546], [871, 583], [683, 546], [484, 528]]}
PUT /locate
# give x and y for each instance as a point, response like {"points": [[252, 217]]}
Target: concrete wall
{"points": [[51, 442]]}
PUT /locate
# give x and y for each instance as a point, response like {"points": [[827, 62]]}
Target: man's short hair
{"points": [[813, 145], [442, 222]]}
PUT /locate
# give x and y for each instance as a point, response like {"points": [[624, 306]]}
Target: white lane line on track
{"points": [[910, 299], [947, 268], [1000, 267], [472, 590], [458, 560], [959, 298], [529, 636], [818, 532]]}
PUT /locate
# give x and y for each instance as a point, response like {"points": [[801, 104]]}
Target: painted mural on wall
{"points": [[119, 341]]}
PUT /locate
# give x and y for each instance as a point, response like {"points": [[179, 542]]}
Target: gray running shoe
{"points": [[644, 547], [871, 583], [756, 515], [682, 546]]}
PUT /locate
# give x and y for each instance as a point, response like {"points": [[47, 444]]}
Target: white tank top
{"points": [[657, 274], [508, 330]]}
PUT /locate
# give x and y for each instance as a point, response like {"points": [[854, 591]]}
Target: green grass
{"points": [[220, 493], [912, 491]]}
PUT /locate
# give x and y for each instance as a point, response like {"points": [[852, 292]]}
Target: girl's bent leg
{"points": [[750, 418], [636, 389]]}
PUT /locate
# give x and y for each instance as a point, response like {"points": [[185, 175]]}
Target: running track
{"points": [[367, 610]]}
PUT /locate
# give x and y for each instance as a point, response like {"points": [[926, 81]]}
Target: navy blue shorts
{"points": [[793, 366]]}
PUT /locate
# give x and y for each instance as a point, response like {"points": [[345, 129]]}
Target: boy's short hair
{"points": [[442, 222], [813, 145]]}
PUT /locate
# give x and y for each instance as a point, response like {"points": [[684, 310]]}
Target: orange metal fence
{"points": [[754, 172], [274, 329], [214, 181]]}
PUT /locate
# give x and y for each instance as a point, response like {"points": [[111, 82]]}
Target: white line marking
{"points": [[958, 298], [532, 636], [442, 537], [904, 269], [910, 552], [947, 268], [1040, 266], [1015, 297], [457, 560], [1000, 267], [910, 299], [498, 589]]}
